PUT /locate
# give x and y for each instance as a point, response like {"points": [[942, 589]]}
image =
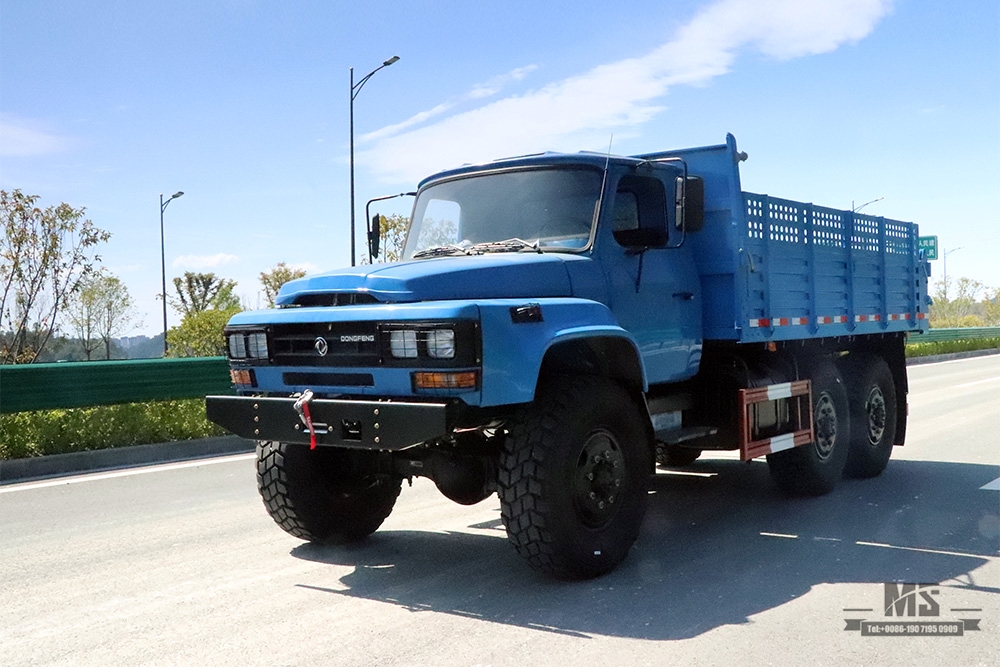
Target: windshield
{"points": [[531, 210]]}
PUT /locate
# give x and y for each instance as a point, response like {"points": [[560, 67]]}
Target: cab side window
{"points": [[640, 213]]}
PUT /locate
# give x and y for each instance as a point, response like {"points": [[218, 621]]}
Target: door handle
{"points": [[685, 296]]}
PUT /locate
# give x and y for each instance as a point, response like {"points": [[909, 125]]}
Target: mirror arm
{"points": [[373, 246]]}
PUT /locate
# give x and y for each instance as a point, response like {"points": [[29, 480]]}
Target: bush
{"points": [[26, 434], [950, 346]]}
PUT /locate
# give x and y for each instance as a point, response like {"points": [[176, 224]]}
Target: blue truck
{"points": [[558, 326]]}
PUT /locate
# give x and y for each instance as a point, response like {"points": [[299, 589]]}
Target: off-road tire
{"points": [[871, 393], [323, 495], [573, 477], [815, 468]]}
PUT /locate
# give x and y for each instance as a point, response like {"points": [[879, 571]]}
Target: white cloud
{"points": [[619, 97], [202, 262], [21, 137], [479, 91]]}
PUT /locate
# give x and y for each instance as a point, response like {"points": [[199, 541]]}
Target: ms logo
{"points": [[911, 600]]}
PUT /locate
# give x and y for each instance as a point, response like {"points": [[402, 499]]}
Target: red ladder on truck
{"points": [[801, 418]]}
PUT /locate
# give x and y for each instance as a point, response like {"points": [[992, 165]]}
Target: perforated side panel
{"points": [[827, 272]]}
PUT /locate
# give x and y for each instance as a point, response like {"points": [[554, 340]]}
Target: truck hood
{"points": [[491, 276]]}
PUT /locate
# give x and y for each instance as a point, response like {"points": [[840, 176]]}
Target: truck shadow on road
{"points": [[717, 547]]}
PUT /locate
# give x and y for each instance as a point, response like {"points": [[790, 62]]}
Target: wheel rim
{"points": [[876, 410], [599, 478], [825, 419]]}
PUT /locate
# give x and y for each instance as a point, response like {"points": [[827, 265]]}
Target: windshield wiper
{"points": [[442, 251], [510, 245]]}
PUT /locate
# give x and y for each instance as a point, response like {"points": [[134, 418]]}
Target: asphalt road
{"points": [[180, 565]]}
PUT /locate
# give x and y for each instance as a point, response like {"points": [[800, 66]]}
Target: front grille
{"points": [[345, 343]]}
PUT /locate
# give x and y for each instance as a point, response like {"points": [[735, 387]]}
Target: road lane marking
{"points": [[992, 486], [919, 550], [972, 384], [27, 486]]}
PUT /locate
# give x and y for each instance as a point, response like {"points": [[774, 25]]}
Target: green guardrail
{"points": [[964, 333], [84, 384]]}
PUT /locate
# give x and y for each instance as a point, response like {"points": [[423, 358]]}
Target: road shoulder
{"points": [[56, 465]]}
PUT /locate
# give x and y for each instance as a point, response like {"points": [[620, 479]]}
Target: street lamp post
{"points": [[163, 265], [355, 89]]}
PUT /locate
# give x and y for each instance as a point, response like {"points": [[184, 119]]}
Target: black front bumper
{"points": [[339, 423]]}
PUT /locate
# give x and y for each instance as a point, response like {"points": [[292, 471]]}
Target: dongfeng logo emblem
{"points": [[358, 338], [321, 346]]}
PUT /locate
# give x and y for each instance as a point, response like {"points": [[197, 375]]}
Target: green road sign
{"points": [[929, 245]]}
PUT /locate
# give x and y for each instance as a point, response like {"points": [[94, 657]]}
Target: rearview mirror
{"points": [[375, 235], [690, 203]]}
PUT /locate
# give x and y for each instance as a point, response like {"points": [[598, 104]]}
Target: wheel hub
{"points": [[877, 414], [826, 426], [600, 475]]}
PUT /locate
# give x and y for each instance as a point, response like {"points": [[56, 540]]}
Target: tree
{"points": [[82, 313], [101, 310], [197, 292], [962, 309], [273, 279], [44, 254], [991, 308], [200, 334], [207, 302], [392, 230]]}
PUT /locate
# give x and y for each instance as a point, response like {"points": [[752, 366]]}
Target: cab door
{"points": [[653, 284]]}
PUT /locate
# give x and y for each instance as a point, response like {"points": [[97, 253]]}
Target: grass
{"points": [[951, 346], [27, 434]]}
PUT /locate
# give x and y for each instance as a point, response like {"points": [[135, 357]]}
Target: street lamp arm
{"points": [[164, 204], [356, 88], [855, 210]]}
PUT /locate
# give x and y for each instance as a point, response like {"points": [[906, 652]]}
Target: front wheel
{"points": [[814, 469], [326, 494], [573, 477]]}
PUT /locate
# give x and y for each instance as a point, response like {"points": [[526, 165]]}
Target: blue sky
{"points": [[243, 105]]}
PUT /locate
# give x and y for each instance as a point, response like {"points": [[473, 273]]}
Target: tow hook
{"points": [[301, 406]]}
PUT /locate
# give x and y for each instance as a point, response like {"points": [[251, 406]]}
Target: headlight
{"points": [[403, 344], [441, 343], [247, 345], [257, 345], [434, 344], [237, 346]]}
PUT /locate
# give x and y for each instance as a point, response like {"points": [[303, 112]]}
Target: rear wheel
{"points": [[573, 477], [872, 396], [815, 468], [326, 494]]}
